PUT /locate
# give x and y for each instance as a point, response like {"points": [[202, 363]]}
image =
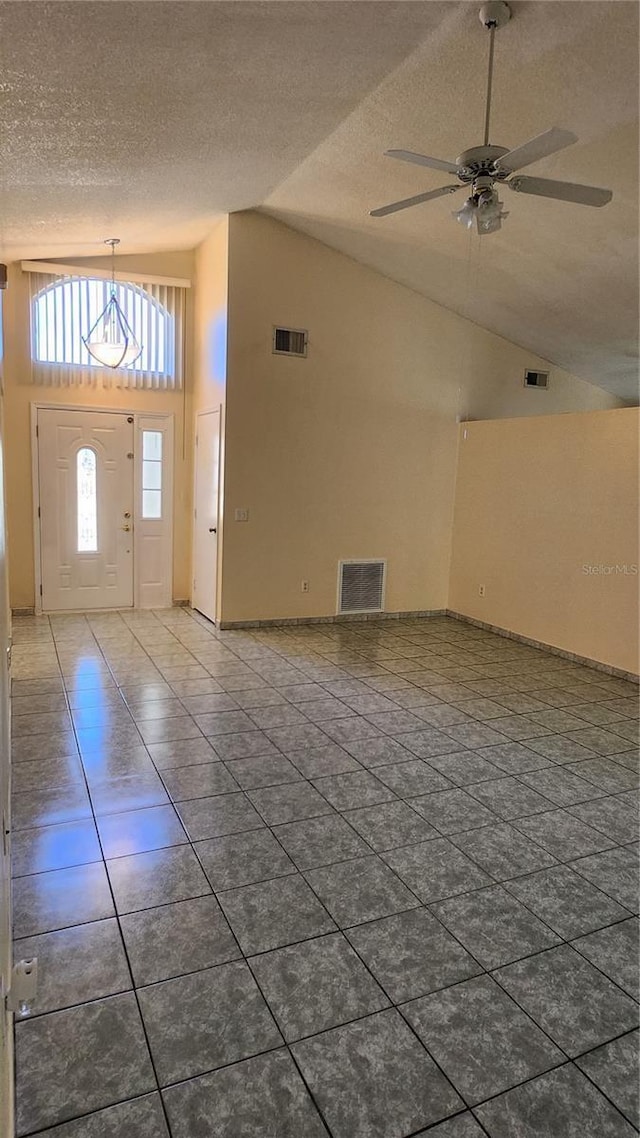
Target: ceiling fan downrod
{"points": [[492, 16]]}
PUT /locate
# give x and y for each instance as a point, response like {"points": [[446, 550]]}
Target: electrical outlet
{"points": [[480, 590], [241, 515], [304, 586]]}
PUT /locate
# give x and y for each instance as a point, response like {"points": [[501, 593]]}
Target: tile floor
{"points": [[367, 880]]}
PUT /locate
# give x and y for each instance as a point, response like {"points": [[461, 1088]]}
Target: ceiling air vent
{"points": [[536, 378], [361, 586], [290, 341]]}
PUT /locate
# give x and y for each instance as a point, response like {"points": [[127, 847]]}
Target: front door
{"points": [[85, 475], [205, 522]]}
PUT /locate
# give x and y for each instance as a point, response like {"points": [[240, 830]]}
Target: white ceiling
{"points": [[150, 119]]}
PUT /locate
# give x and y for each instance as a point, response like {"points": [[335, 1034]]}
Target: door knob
{"points": [[212, 529]]}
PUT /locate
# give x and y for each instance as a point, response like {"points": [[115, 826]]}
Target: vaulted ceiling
{"points": [[151, 119]]}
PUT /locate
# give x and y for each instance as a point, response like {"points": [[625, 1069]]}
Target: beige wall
{"points": [[210, 319], [20, 393], [498, 392], [351, 452], [537, 500], [211, 315]]}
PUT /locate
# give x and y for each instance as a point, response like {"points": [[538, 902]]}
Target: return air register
{"points": [[361, 586], [536, 378], [290, 341]]}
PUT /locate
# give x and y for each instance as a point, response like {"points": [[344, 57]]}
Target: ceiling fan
{"points": [[482, 167]]}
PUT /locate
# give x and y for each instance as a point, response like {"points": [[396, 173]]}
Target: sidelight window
{"points": [[152, 474]]}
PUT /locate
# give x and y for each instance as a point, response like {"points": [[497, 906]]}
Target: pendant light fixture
{"points": [[111, 340]]}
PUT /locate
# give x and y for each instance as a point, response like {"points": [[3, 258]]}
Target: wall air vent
{"points": [[290, 341], [361, 586], [536, 378]]}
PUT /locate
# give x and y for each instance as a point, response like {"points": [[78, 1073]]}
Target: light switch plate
{"points": [[241, 515]]}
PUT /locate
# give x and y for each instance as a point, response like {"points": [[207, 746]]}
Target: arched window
{"points": [[87, 500], [64, 309]]}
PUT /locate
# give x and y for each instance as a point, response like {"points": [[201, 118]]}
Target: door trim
{"points": [[199, 414], [139, 418], [7, 1058], [35, 493]]}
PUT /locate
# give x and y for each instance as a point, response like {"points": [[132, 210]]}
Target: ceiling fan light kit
{"points": [[481, 167]]}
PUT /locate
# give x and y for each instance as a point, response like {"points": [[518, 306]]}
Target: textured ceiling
{"points": [[149, 120]]}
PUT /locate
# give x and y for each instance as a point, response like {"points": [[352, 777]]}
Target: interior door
{"points": [[85, 473], [205, 521]]}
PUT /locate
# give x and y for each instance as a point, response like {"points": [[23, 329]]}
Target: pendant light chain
{"points": [[113, 241]]}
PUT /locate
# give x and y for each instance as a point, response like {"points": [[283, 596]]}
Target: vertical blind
{"points": [[64, 308]]}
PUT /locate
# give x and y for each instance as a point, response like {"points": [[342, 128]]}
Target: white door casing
{"points": [[206, 511], [90, 568], [6, 956]]}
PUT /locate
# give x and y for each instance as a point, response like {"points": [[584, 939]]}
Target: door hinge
{"points": [[41, 590], [37, 431], [39, 515], [22, 987], [5, 836]]}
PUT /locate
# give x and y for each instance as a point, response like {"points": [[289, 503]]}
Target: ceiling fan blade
{"points": [[406, 203], [562, 191], [422, 160], [539, 147]]}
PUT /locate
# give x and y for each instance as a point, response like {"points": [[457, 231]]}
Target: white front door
{"points": [[85, 475], [205, 521]]}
